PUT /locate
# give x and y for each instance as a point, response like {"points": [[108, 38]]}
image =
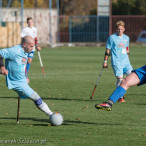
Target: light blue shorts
{"points": [[141, 73], [121, 70], [24, 90], [31, 54]]}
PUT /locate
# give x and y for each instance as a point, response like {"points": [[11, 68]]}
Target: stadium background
{"points": [[64, 25], [71, 73]]}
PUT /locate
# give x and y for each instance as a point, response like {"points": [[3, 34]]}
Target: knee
{"points": [[128, 72], [124, 84]]}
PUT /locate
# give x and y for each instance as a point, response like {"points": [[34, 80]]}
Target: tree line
{"points": [[84, 7]]}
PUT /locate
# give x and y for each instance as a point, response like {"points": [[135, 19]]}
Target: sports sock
{"points": [[40, 104], [118, 82], [44, 107], [27, 68], [118, 93]]}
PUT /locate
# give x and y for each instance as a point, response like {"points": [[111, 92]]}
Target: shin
{"points": [[40, 104]]}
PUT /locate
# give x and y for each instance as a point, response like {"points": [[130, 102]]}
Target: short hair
{"points": [[27, 39], [29, 18], [120, 23]]}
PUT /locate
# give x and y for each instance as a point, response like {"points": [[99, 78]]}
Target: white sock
{"points": [[44, 107], [40, 104], [118, 83]]}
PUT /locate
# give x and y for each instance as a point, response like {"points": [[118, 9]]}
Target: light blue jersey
{"points": [[119, 58], [15, 62]]}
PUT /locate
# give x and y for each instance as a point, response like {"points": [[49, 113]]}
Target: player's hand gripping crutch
{"points": [[41, 63], [96, 83]]}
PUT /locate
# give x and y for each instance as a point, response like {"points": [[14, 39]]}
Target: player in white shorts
{"points": [[32, 31], [118, 46], [14, 69]]}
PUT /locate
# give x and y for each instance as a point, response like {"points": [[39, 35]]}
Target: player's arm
{"points": [[36, 44], [127, 46], [127, 49], [2, 67], [107, 54]]}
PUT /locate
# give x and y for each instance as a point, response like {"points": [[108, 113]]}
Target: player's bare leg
{"points": [[119, 80], [129, 81], [127, 73]]}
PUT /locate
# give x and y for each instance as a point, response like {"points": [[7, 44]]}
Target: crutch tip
{"points": [[91, 97]]}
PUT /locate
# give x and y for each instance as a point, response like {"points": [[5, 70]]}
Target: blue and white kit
{"points": [[15, 62], [119, 58]]}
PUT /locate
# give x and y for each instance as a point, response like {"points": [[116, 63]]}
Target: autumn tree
{"points": [[129, 7]]}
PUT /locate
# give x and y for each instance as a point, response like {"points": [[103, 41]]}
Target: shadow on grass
{"points": [[54, 98], [68, 99], [65, 123], [8, 97], [140, 103], [25, 119]]}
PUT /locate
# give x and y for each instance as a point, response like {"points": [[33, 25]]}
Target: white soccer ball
{"points": [[56, 119]]}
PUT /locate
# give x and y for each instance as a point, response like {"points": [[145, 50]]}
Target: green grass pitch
{"points": [[71, 73]]}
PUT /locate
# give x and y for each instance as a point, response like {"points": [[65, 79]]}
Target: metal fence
{"points": [[75, 29], [64, 28], [98, 28], [133, 25], [84, 28], [88, 28]]}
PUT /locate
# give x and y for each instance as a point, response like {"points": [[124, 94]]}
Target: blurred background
{"points": [[71, 21]]}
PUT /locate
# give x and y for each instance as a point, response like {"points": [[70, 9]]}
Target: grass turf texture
{"points": [[71, 74]]}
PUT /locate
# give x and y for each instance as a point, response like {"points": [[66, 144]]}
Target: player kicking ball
{"points": [[14, 69], [137, 77]]}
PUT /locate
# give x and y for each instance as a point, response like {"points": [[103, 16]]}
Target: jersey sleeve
{"points": [[109, 43], [8, 53]]}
